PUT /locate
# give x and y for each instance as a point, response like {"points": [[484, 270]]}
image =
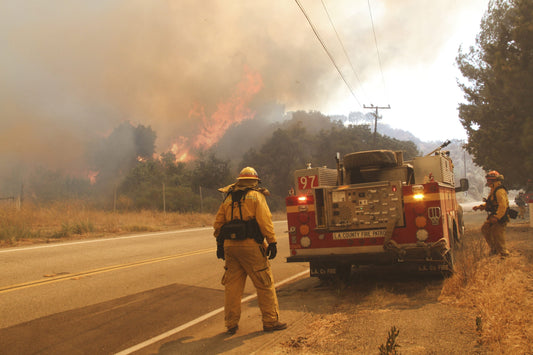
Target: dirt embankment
{"points": [[484, 308]]}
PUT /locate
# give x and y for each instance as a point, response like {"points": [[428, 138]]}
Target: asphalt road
{"points": [[102, 296]]}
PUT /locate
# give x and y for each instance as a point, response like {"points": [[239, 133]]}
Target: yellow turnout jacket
{"points": [[500, 197], [253, 205]]}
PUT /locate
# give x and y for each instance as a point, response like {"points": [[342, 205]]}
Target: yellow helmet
{"points": [[248, 173], [494, 176]]}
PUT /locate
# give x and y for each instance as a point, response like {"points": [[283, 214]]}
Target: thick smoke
{"points": [[71, 71]]}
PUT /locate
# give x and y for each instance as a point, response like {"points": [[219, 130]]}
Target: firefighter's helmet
{"points": [[494, 176], [248, 173]]}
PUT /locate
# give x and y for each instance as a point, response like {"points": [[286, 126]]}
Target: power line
{"points": [[376, 115], [377, 49], [343, 48], [327, 51]]}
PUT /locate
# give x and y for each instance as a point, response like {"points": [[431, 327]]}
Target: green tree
{"points": [[354, 138], [144, 141], [115, 155], [276, 160], [158, 184], [144, 185], [498, 114], [175, 173], [210, 172]]}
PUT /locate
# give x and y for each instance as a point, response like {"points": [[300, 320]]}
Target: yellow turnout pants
{"points": [[248, 260], [495, 236]]}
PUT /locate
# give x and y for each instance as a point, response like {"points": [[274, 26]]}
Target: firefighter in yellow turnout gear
{"points": [[246, 255], [496, 205]]}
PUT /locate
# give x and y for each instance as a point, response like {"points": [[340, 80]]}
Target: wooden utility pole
{"points": [[115, 199], [164, 199], [376, 116], [21, 197], [201, 201]]}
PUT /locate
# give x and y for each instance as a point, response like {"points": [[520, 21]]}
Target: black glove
{"points": [[272, 250], [220, 251]]}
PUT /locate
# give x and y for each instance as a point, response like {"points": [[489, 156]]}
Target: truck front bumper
{"points": [[390, 253]]}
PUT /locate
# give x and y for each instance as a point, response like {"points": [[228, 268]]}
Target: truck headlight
{"points": [[418, 192], [418, 197]]}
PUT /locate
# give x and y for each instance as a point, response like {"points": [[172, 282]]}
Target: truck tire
{"points": [[379, 158]]}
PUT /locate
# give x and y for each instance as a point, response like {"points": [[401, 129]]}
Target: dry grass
{"points": [[74, 219], [498, 290]]}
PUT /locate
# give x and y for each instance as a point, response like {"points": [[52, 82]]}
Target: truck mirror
{"points": [[463, 185]]}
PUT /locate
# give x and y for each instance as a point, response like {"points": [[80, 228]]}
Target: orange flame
{"points": [[234, 110], [181, 150]]}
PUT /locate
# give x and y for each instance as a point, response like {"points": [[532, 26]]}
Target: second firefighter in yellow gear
{"points": [[496, 205], [248, 256]]}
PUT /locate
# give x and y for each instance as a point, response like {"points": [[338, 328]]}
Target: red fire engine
{"points": [[376, 209]]}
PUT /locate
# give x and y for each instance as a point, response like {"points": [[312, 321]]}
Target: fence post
{"points": [[531, 210], [201, 201]]}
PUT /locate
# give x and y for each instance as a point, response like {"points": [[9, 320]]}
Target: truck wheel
{"points": [[344, 271], [381, 158]]}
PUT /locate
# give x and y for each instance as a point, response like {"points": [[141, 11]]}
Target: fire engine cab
{"points": [[376, 208]]}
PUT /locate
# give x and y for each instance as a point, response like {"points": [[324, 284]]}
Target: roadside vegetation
{"points": [[76, 220], [498, 290], [73, 219]]}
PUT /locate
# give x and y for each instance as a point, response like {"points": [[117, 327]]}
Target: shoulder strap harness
{"points": [[492, 202], [237, 196]]}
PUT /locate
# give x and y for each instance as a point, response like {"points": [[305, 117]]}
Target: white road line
{"points": [[198, 320], [110, 239]]}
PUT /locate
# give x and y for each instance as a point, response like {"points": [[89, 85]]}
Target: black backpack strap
{"points": [[230, 192], [237, 196]]}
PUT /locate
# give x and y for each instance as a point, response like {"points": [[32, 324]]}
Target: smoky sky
{"points": [[71, 71]]}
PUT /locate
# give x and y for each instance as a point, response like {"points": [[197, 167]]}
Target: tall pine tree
{"points": [[498, 114]]}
